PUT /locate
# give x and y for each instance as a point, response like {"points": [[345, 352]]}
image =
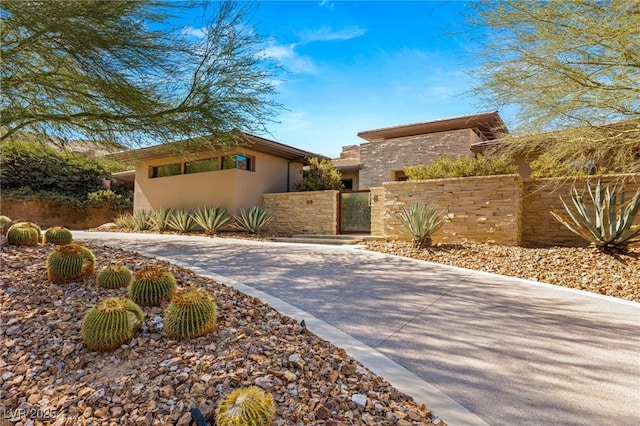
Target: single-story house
{"points": [[192, 173], [388, 151]]}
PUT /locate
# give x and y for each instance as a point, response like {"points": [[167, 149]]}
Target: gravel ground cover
{"points": [[583, 268], [47, 377]]}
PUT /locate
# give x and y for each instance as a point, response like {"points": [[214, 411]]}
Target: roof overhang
{"points": [[488, 125], [194, 146]]}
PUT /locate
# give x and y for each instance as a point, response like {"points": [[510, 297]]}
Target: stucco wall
{"points": [[542, 195], [379, 159], [314, 212], [232, 189], [47, 214], [478, 209]]}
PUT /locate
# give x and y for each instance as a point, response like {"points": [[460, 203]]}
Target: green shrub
{"points": [[106, 197], [461, 167], [181, 221], [252, 220], [33, 170], [612, 227], [211, 218], [321, 175], [421, 222]]}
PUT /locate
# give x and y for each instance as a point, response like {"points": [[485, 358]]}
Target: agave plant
{"points": [[421, 221], [181, 221], [246, 406], [612, 227], [126, 222], [211, 219], [251, 220], [160, 218], [141, 220]]}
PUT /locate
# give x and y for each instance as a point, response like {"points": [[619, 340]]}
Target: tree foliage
{"points": [[571, 64], [125, 71], [320, 175]]}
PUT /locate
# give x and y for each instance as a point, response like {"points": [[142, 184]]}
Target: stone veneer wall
{"points": [[541, 195], [314, 212], [478, 209], [377, 210], [49, 213], [379, 158]]}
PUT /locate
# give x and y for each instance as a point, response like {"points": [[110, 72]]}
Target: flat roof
{"points": [[488, 125], [253, 142]]}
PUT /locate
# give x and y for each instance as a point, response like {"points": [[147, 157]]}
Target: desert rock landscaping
{"points": [[49, 377], [582, 268]]}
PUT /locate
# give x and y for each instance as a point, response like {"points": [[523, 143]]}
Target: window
{"points": [[199, 166], [347, 184], [242, 162], [166, 170], [399, 176]]}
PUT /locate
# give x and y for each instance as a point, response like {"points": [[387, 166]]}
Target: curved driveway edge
{"points": [[507, 350]]}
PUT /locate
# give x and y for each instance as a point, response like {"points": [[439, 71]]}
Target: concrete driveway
{"points": [[510, 351]]}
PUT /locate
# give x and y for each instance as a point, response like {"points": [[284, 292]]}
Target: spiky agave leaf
{"points": [[114, 275], [246, 406], [211, 218], [70, 262], [110, 323], [181, 221], [252, 220], [151, 286], [420, 222], [57, 235], [612, 226], [191, 313]]}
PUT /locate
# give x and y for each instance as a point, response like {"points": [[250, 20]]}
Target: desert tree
{"points": [[127, 71], [568, 65]]}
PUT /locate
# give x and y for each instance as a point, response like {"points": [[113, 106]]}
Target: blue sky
{"points": [[362, 65]]}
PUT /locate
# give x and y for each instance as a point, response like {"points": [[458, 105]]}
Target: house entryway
{"points": [[354, 208]]}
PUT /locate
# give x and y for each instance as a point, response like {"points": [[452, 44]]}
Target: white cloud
{"points": [[326, 3], [195, 32], [329, 34], [290, 59]]}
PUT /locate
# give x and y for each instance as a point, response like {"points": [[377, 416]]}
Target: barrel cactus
{"points": [[151, 286], [110, 323], [57, 235], [191, 313], [114, 276], [70, 262], [4, 219], [23, 234], [246, 406]]}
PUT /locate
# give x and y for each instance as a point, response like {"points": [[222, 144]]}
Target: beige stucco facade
{"points": [[232, 189]]}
